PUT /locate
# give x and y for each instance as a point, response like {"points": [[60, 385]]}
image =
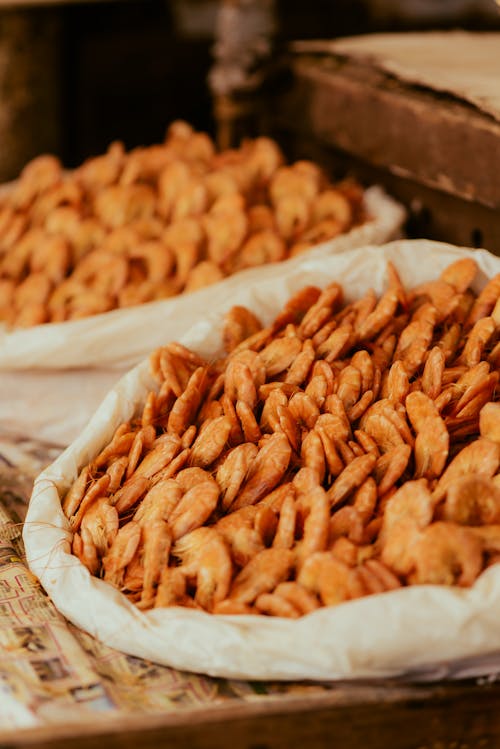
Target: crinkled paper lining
{"points": [[428, 631]]}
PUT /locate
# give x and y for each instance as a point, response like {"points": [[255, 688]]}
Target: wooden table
{"points": [[438, 154], [461, 715]]}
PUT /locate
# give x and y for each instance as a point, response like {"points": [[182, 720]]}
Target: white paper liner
{"points": [[42, 367], [425, 631]]}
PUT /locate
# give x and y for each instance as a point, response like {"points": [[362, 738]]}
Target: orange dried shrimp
{"points": [[347, 449], [127, 228]]}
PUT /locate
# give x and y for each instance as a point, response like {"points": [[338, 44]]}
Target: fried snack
{"points": [[127, 228], [345, 450]]}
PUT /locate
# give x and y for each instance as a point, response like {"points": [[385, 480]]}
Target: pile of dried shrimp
{"points": [[131, 227], [347, 449]]}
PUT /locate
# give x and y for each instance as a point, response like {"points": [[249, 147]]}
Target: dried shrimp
{"points": [[126, 228], [300, 471]]}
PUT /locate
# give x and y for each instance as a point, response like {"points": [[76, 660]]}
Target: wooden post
{"points": [[30, 90]]}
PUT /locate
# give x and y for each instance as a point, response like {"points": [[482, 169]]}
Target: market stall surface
{"points": [[60, 686]]}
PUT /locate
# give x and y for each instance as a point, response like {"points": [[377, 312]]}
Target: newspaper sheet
{"points": [[50, 671]]}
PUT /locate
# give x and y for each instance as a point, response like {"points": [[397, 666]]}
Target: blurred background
{"points": [[76, 75]]}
